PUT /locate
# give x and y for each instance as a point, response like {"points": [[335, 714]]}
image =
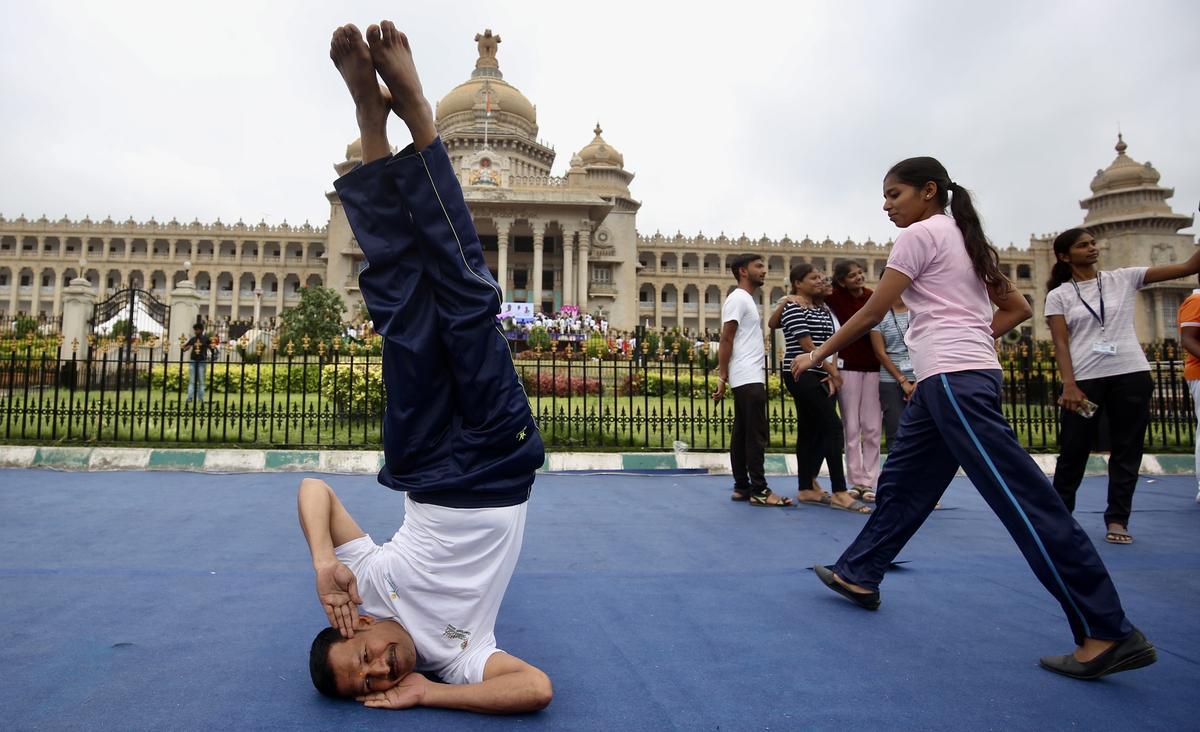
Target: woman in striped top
{"points": [[807, 323]]}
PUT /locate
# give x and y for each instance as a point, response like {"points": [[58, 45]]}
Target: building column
{"points": [[280, 295], [764, 305], [502, 229], [585, 243], [568, 276], [700, 307], [235, 301], [35, 292], [538, 245], [658, 292], [58, 292], [212, 295]]}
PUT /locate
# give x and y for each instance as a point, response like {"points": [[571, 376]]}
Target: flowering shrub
{"points": [[359, 387], [560, 385]]}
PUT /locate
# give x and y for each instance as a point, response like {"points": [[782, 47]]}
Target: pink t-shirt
{"points": [[951, 326]]}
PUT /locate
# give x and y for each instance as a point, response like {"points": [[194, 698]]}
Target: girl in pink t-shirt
{"points": [[948, 275]]}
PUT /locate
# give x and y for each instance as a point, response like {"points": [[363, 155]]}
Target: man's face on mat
{"points": [[376, 658]]}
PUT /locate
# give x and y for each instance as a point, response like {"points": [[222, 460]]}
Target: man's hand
{"points": [[833, 382], [408, 693], [908, 388], [337, 589], [719, 394]]}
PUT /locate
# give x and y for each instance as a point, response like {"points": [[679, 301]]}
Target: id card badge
{"points": [[1104, 348], [905, 366]]}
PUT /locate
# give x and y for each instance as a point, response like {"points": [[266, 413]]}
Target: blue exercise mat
{"points": [[136, 601]]}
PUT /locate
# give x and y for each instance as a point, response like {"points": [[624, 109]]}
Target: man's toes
{"points": [[373, 34]]}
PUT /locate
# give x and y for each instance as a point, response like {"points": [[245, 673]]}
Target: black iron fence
{"points": [[334, 399]]}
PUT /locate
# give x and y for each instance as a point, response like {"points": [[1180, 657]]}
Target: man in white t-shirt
{"points": [[458, 436], [741, 360]]}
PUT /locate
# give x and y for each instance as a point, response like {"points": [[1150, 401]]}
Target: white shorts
{"points": [[442, 576]]}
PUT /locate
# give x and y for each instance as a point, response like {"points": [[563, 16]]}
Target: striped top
{"points": [[893, 328], [797, 322]]}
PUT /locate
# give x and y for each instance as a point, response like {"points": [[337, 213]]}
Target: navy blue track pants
{"points": [[457, 429], [954, 420]]}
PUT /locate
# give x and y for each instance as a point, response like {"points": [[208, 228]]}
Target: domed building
{"points": [[553, 241], [1134, 226]]}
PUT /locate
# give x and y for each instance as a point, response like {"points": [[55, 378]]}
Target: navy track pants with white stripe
{"points": [[457, 428], [953, 420]]}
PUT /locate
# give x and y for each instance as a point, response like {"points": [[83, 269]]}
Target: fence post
{"points": [[185, 308], [79, 301]]}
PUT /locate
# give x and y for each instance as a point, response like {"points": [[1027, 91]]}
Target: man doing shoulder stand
{"points": [[458, 434]]}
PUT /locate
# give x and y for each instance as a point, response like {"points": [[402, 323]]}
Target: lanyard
{"points": [[1099, 288], [903, 333]]}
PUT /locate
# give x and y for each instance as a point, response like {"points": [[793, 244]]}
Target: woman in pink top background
{"points": [[948, 274]]}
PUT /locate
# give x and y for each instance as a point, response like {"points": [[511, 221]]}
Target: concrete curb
{"points": [[368, 462]]}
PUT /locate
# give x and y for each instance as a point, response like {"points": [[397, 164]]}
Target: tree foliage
{"points": [[318, 316]]}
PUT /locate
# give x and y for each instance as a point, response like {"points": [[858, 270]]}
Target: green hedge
{"points": [[649, 382], [250, 378]]}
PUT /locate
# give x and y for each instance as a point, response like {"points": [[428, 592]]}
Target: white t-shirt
{"points": [[442, 576], [746, 362], [1119, 286]]}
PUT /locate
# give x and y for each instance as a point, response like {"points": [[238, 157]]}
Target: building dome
{"points": [[480, 93], [486, 90], [599, 152], [1124, 172]]}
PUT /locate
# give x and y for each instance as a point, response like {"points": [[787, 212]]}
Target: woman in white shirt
{"points": [[1103, 368]]}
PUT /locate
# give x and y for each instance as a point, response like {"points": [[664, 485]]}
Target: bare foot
{"points": [[394, 62], [352, 58], [1091, 648], [852, 588], [812, 495]]}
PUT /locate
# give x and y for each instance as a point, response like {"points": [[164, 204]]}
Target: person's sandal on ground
{"points": [[854, 506], [767, 498], [1126, 655], [739, 495], [1118, 535], [865, 600]]}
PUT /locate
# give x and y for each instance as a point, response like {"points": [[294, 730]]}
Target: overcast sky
{"points": [[765, 118]]}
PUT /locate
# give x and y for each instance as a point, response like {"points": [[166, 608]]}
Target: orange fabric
{"points": [[1189, 312]]}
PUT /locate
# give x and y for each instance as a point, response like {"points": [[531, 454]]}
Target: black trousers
{"points": [[1125, 398], [819, 434], [748, 443], [891, 400]]}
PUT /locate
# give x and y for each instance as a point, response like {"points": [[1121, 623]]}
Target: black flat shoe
{"points": [[1133, 652], [869, 601]]}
